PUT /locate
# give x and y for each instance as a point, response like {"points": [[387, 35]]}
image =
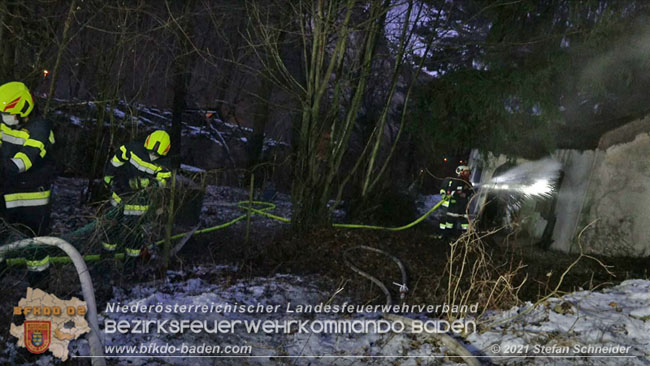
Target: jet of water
{"points": [[535, 179], [531, 180]]}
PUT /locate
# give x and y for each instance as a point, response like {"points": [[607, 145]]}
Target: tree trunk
{"points": [[8, 45], [260, 117], [64, 41], [181, 69], [234, 43], [178, 106]]}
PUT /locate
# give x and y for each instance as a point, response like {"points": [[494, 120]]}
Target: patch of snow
{"points": [[581, 319], [118, 113], [274, 291], [76, 121], [145, 120], [155, 112], [236, 126], [190, 168], [424, 203]]}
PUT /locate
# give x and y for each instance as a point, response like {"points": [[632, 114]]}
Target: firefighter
{"points": [[27, 172], [456, 193], [133, 169]]}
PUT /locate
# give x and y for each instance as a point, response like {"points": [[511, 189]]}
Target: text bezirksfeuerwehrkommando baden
{"points": [[315, 326]]}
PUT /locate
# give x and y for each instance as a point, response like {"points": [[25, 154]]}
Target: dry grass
{"points": [[475, 277]]}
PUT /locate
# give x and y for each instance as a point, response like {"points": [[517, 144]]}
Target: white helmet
{"points": [[462, 169]]}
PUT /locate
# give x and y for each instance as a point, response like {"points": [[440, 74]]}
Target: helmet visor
{"points": [[10, 119]]}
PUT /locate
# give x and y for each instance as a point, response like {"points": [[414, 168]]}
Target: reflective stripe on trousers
{"points": [[115, 199], [38, 265], [135, 210], [27, 199], [132, 252], [109, 247], [129, 210]]}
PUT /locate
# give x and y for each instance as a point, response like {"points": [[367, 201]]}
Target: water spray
{"points": [[530, 180], [535, 179]]}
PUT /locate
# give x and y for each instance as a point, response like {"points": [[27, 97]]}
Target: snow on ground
{"points": [[220, 205], [151, 118], [191, 169], [425, 202], [618, 316], [76, 121], [68, 212], [275, 291]]}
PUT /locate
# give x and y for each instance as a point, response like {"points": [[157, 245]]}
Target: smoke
{"points": [[624, 60]]}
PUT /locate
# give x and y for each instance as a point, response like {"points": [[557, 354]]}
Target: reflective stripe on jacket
{"points": [[132, 169], [27, 152]]}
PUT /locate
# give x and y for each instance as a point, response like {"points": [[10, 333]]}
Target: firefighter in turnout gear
{"points": [[456, 193], [27, 171], [130, 173]]}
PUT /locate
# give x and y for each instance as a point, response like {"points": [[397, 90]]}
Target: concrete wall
{"points": [[618, 197], [608, 187], [577, 169]]}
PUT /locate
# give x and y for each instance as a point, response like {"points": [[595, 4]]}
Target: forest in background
{"points": [[367, 93]]}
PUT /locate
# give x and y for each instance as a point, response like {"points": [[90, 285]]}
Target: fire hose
{"points": [[73, 256], [86, 287], [248, 206], [450, 342]]}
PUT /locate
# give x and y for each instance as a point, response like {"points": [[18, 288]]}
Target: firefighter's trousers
{"points": [[125, 233], [28, 213], [454, 225]]}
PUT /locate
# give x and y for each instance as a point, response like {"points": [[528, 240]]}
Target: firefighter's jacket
{"points": [[131, 170], [457, 192], [27, 163]]}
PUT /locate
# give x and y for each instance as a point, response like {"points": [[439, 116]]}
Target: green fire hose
{"points": [[247, 206]]}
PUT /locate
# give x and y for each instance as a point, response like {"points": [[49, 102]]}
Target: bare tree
{"points": [[339, 41]]}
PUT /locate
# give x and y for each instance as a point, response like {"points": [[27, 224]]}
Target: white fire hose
{"points": [[94, 340], [450, 342]]}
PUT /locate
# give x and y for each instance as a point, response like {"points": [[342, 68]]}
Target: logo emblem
{"points": [[11, 104], [37, 335]]}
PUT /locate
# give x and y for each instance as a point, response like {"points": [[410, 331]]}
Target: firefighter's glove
{"points": [[161, 178], [139, 183], [108, 181], [144, 182]]}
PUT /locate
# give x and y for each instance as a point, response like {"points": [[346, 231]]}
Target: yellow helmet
{"points": [[158, 142], [16, 99]]}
